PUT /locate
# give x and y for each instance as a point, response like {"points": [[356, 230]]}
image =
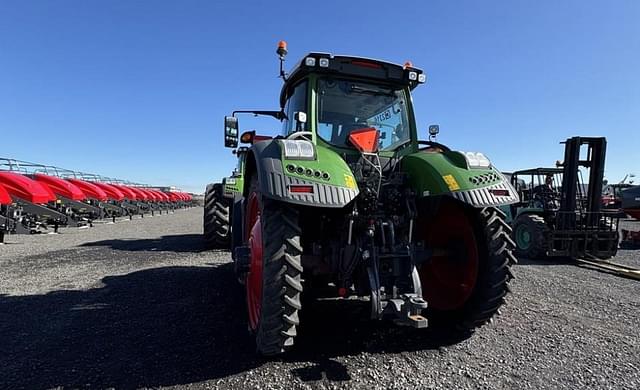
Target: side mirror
{"points": [[433, 131], [230, 132]]}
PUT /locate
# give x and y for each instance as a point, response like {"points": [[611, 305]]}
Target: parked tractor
{"points": [[558, 214], [348, 202], [218, 204], [216, 217]]}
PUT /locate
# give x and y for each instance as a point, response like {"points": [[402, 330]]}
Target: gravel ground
{"points": [[142, 304]]}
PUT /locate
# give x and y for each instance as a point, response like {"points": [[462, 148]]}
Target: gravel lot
{"points": [[142, 304]]}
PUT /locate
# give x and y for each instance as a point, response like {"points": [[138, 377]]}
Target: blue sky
{"points": [[138, 89]]}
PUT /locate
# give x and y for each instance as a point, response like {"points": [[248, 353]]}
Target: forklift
{"points": [[558, 214]]}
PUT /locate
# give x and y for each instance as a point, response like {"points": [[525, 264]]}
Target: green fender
{"points": [[433, 173], [233, 185], [328, 174]]}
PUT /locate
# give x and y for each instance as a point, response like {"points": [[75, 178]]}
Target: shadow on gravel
{"points": [[174, 243], [162, 326], [171, 326]]}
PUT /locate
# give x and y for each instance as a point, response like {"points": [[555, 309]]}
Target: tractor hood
{"points": [[450, 173]]}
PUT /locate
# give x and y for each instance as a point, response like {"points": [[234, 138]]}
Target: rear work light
{"points": [[298, 149], [477, 160], [310, 61], [300, 189], [324, 62]]}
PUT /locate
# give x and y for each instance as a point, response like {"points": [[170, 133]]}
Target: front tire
{"points": [[273, 282], [216, 218], [530, 233]]}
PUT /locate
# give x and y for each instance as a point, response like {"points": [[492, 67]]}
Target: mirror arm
{"points": [[275, 114]]}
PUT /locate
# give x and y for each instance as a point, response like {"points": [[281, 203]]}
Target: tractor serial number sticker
{"points": [[348, 180], [451, 182], [383, 116]]}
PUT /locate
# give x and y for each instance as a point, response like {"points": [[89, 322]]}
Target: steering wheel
{"points": [[298, 134], [432, 144]]}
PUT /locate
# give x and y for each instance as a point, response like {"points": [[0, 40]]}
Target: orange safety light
{"points": [[247, 137], [408, 64], [282, 48], [365, 140]]}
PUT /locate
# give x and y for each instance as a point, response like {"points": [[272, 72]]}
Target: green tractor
{"points": [[218, 206], [348, 203], [216, 217], [559, 215]]}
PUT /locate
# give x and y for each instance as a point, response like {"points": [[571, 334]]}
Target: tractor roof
{"points": [[356, 67]]}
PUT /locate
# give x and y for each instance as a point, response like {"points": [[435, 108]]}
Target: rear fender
{"points": [[447, 174], [276, 174]]}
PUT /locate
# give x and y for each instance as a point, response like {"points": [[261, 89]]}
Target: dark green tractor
{"points": [[559, 215], [349, 203]]}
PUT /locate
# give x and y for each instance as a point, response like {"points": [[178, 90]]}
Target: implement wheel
{"points": [[530, 235], [466, 280], [273, 282], [216, 218]]}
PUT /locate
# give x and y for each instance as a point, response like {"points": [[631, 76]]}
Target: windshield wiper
{"points": [[371, 91]]}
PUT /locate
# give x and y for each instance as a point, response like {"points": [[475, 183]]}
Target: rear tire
{"points": [[275, 318], [530, 233], [216, 218], [495, 258]]}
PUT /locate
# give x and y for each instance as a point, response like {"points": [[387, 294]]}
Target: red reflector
{"points": [[300, 189], [365, 140], [364, 64], [499, 192]]}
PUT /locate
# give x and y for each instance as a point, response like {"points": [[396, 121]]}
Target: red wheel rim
{"points": [[254, 276], [449, 278]]}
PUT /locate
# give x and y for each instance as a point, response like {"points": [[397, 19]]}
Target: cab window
{"points": [[296, 102], [348, 105]]}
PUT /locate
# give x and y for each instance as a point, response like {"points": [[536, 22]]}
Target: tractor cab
{"points": [[326, 98], [343, 94]]}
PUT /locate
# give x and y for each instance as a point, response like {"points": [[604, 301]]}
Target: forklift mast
{"points": [[595, 160]]}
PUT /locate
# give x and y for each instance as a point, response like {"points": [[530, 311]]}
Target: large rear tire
{"points": [[530, 233], [216, 218], [273, 282], [467, 287]]}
